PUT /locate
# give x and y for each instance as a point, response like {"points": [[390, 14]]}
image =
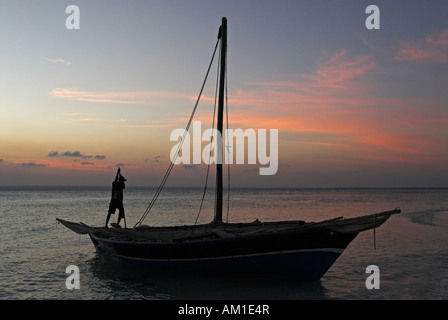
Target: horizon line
{"points": [[91, 187]]}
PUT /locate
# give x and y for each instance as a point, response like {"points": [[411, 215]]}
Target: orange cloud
{"points": [[77, 118], [335, 113], [316, 102], [434, 48], [123, 123], [337, 106]]}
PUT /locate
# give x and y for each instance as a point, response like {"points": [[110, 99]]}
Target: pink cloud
{"points": [[335, 73], [126, 97], [337, 86], [339, 70], [434, 48], [337, 106], [59, 60]]}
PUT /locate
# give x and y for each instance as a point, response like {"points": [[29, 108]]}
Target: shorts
{"points": [[116, 204]]}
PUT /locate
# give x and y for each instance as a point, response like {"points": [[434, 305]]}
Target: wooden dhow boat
{"points": [[293, 249]]}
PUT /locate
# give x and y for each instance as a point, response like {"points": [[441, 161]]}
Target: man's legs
{"points": [[121, 215], [112, 208], [107, 219]]}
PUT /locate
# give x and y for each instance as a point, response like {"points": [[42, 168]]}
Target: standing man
{"points": [[116, 201]]}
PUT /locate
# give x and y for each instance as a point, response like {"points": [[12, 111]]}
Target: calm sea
{"points": [[411, 248]]}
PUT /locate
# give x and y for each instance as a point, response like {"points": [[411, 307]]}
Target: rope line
{"points": [[228, 152], [211, 141], [170, 167]]}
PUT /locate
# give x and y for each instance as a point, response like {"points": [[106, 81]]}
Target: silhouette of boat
{"points": [[294, 249]]}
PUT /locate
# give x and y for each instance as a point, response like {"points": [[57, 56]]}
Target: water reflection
{"points": [[116, 279]]}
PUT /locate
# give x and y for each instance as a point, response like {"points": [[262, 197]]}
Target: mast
{"points": [[222, 76]]}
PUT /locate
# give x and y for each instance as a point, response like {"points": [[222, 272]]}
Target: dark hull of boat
{"points": [[291, 249], [304, 255]]}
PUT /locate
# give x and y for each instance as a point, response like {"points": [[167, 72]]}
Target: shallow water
{"points": [[411, 248]]}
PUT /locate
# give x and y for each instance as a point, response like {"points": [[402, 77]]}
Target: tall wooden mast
{"points": [[219, 160]]}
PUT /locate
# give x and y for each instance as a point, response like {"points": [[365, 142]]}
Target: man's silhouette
{"points": [[116, 201]]}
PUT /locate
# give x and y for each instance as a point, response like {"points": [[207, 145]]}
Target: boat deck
{"points": [[198, 232], [216, 230]]}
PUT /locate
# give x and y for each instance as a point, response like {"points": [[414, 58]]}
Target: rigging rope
{"points": [[228, 151], [170, 167], [211, 141]]}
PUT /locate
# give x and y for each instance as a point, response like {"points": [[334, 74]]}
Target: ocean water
{"points": [[411, 248]]}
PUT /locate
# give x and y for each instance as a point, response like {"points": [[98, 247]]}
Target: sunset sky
{"points": [[353, 107]]}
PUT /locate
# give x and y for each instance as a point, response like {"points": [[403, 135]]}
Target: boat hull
{"points": [[292, 249], [305, 255]]}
